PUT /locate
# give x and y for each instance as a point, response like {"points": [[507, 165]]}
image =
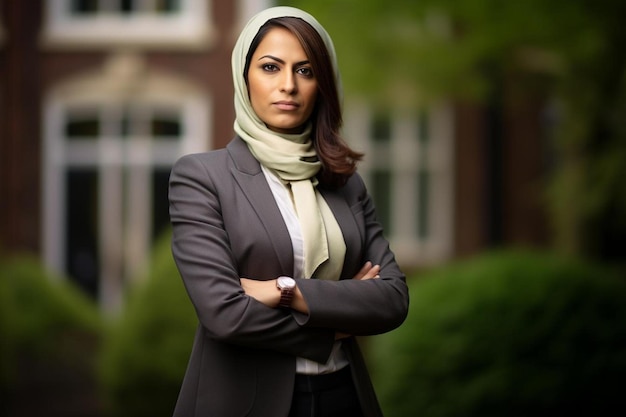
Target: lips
{"points": [[286, 105]]}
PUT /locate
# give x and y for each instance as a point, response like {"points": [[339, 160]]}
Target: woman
{"points": [[277, 242]]}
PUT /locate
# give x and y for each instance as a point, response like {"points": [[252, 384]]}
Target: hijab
{"points": [[291, 157]]}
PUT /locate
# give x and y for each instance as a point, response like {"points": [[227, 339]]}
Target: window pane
{"points": [[423, 195], [167, 6], [82, 127], [381, 192], [166, 126], [127, 6], [84, 6], [82, 229], [381, 127], [160, 203]]}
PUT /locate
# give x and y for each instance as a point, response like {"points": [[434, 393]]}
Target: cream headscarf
{"points": [[292, 157]]}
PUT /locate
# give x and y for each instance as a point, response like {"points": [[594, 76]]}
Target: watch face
{"points": [[286, 282]]}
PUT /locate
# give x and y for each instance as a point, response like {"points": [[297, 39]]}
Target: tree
{"points": [[571, 52]]}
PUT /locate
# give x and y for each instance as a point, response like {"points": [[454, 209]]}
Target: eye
{"points": [[305, 71], [269, 67]]}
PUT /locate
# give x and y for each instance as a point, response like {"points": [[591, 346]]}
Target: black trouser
{"points": [[327, 395]]}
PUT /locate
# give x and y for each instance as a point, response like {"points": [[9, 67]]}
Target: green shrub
{"points": [[7, 335], [148, 346], [507, 334], [49, 330]]}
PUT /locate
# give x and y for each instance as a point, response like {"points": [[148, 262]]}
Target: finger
{"points": [[364, 270], [372, 273]]}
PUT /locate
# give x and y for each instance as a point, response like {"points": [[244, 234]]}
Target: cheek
{"points": [[312, 99], [255, 93]]}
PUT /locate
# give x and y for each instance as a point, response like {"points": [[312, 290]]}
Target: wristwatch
{"points": [[286, 285]]}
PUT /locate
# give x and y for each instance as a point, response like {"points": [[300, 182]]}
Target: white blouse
{"points": [[282, 196]]}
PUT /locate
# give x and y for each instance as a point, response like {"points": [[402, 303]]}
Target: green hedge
{"points": [[48, 331], [507, 334], [148, 346]]}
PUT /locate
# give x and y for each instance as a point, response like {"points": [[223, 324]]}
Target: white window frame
{"points": [[124, 233], [401, 157], [248, 8], [191, 27]]}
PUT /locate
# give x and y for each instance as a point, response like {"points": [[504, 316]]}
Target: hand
{"points": [[368, 271], [265, 292]]}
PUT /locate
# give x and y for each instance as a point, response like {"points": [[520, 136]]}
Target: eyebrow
{"points": [[282, 61]]}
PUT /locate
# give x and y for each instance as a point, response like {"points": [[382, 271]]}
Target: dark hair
{"points": [[337, 158]]}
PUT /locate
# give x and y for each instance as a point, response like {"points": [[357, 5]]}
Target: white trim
{"points": [[53, 187], [192, 28], [248, 8], [110, 226], [245, 10]]}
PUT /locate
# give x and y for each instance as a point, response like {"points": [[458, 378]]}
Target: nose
{"points": [[288, 83]]}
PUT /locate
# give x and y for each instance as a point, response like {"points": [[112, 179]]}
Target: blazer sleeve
{"points": [[203, 255], [357, 307]]}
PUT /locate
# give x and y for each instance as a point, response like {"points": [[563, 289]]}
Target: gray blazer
{"points": [[226, 225]]}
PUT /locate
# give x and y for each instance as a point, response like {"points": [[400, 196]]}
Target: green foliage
{"points": [[37, 308], [507, 334], [43, 319], [409, 53], [374, 43], [450, 47], [147, 350]]}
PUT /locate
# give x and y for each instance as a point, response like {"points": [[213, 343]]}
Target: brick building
{"points": [[99, 97]]}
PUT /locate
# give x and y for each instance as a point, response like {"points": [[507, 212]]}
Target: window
{"points": [[408, 169], [107, 159], [114, 23], [129, 7]]}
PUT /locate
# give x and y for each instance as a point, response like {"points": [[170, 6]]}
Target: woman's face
{"points": [[281, 83]]}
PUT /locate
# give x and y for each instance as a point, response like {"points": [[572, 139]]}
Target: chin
{"points": [[287, 128]]}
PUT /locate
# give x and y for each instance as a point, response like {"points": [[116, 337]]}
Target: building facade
{"points": [[98, 98]]}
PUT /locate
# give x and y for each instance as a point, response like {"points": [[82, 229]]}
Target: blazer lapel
{"points": [[248, 175]]}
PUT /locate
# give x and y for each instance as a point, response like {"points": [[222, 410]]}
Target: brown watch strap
{"points": [[286, 295]]}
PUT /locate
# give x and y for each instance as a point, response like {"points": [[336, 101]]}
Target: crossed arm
{"points": [[267, 293]]}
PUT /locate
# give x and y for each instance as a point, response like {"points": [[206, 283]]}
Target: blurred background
{"points": [[495, 141]]}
